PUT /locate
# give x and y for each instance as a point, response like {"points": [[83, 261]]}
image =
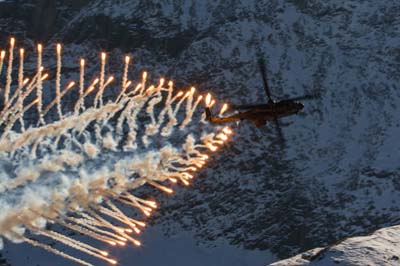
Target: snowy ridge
{"points": [[380, 248]]}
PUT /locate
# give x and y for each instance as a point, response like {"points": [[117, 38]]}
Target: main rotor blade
{"points": [[248, 106], [306, 97], [261, 65]]}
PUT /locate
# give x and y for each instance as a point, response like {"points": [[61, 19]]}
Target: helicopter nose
{"points": [[299, 106]]}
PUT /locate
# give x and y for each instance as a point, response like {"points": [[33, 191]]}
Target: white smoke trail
{"points": [[9, 70], [58, 81], [79, 170]]}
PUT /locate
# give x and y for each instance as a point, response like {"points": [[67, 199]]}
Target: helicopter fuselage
{"points": [[259, 114]]}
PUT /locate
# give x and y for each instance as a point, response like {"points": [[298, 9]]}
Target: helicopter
{"points": [[260, 114]]}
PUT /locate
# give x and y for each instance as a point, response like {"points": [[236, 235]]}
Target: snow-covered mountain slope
{"points": [[338, 174], [380, 248]]}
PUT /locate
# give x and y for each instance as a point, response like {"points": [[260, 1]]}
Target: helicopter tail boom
{"points": [[209, 117]]}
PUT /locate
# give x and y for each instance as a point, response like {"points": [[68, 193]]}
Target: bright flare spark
{"points": [[112, 261], [208, 100], [45, 76], [70, 85], [223, 109]]}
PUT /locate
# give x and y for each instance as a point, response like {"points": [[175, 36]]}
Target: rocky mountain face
{"points": [[337, 174]]}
